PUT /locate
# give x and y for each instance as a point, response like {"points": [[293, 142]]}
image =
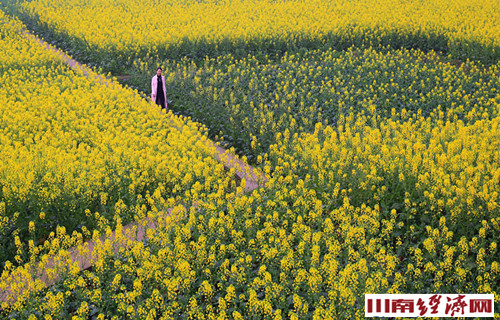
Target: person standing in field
{"points": [[158, 89]]}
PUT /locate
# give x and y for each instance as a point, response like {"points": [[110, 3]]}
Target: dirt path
{"points": [[83, 255]]}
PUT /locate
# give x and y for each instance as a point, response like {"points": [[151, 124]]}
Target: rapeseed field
{"points": [[377, 126]]}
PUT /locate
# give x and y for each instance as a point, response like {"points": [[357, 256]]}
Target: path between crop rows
{"points": [[85, 254]]}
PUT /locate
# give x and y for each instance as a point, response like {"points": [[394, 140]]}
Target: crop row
{"points": [[247, 101], [113, 33]]}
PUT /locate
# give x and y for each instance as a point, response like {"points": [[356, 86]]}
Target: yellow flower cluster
{"points": [[74, 148], [135, 26], [444, 168], [418, 194], [12, 42]]}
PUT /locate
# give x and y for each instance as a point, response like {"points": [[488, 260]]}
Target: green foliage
{"points": [[253, 98]]}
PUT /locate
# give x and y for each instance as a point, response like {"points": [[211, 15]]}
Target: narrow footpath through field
{"points": [[84, 255]]}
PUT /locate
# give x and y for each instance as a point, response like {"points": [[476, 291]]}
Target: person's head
{"points": [[158, 71]]}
